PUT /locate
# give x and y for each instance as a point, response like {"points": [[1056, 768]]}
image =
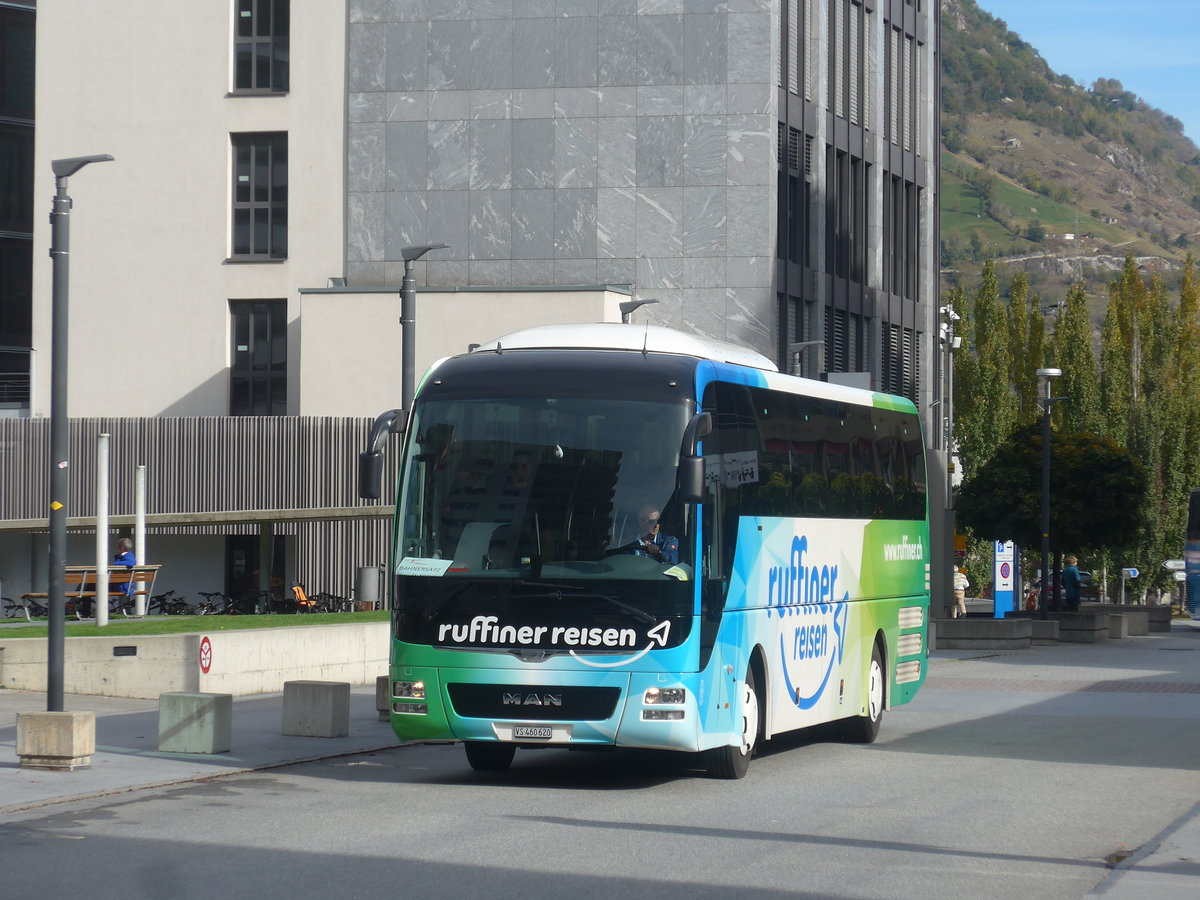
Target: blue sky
{"points": [[1152, 47]]}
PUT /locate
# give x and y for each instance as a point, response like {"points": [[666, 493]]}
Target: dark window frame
{"points": [[261, 46], [259, 202], [258, 358]]}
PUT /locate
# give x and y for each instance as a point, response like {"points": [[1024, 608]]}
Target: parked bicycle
{"points": [[27, 607], [168, 603], [214, 603]]}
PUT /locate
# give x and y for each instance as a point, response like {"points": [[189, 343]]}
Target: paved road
{"points": [[1023, 774]]}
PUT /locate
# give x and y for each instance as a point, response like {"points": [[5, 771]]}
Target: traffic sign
{"points": [[1129, 573], [1181, 576], [1173, 565]]}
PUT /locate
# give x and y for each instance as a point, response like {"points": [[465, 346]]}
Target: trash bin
{"points": [[366, 588]]}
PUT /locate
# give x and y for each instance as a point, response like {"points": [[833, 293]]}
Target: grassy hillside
{"points": [[1031, 157]]}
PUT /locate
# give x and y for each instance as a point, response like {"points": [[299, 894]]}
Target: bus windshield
{"points": [[543, 487]]}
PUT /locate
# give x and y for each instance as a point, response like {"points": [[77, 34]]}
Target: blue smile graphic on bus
{"points": [[809, 653], [805, 592]]}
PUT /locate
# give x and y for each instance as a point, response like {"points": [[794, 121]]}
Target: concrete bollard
{"points": [[56, 740], [1118, 626], [383, 697], [195, 722], [316, 708]]}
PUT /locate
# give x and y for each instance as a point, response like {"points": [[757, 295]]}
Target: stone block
{"points": [[1118, 626], [195, 722], [56, 740], [972, 633], [1082, 627], [316, 708], [383, 697], [1044, 633], [1158, 618]]}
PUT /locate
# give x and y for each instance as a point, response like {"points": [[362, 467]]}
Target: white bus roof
{"points": [[640, 338]]}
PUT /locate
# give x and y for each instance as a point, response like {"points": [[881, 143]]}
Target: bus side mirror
{"points": [[370, 461], [690, 477]]}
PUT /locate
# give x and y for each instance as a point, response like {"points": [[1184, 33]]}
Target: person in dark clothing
{"points": [[652, 542], [1071, 583]]}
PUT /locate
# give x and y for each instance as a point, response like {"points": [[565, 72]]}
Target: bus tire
{"points": [[864, 729], [733, 762], [490, 756]]}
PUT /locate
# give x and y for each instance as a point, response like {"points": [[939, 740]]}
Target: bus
{"points": [[790, 586], [1191, 557]]}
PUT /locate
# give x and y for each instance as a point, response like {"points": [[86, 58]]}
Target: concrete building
{"points": [[763, 169]]}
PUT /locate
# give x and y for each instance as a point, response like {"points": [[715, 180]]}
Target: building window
{"points": [[261, 46], [260, 180], [258, 373]]}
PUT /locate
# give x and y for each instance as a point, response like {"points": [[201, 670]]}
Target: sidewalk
{"points": [[127, 757]]}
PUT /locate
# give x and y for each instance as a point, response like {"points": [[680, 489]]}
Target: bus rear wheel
{"points": [[864, 729], [734, 761], [490, 756]]}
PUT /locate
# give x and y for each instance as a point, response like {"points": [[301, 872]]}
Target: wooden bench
{"points": [[80, 584]]}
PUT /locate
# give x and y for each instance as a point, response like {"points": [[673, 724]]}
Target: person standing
{"points": [[960, 594], [1071, 583]]}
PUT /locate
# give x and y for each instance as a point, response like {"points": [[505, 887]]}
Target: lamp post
{"points": [[1046, 375], [408, 321], [60, 480], [628, 306], [795, 350], [950, 342]]}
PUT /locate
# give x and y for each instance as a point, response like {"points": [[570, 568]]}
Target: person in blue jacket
{"points": [[652, 542], [124, 557]]}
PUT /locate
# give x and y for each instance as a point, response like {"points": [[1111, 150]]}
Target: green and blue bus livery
{"points": [[525, 613]]}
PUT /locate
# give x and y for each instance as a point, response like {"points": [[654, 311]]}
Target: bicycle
{"points": [[169, 604], [28, 607], [214, 604], [327, 602]]}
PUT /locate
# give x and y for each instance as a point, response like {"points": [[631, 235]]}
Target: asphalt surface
{"points": [[127, 758]]}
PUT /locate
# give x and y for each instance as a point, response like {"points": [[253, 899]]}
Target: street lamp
{"points": [[950, 342], [1046, 375], [795, 350], [408, 321], [628, 306], [60, 476]]}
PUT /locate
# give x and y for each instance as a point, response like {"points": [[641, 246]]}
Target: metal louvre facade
{"points": [[218, 464]]}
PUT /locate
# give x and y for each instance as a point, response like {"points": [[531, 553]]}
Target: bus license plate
{"points": [[542, 732]]}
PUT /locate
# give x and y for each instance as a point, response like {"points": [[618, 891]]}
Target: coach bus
{"points": [[1191, 557], [625, 536]]}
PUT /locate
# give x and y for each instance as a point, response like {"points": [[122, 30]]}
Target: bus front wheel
{"points": [[864, 729], [490, 756], [734, 761]]}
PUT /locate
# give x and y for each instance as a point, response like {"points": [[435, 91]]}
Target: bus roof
{"points": [[639, 338]]}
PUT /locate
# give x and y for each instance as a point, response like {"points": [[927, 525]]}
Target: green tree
{"points": [[990, 412], [1026, 341], [1072, 352], [1097, 488]]}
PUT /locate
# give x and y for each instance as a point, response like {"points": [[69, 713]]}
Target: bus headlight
{"points": [[414, 690], [671, 696]]}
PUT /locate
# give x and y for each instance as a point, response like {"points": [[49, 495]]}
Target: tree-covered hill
{"points": [[1062, 179]]}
